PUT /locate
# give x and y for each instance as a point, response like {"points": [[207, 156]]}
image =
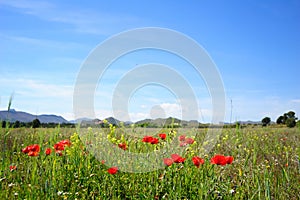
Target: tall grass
{"points": [[266, 166]]}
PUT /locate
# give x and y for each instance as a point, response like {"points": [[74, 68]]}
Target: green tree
{"points": [[298, 124], [266, 121], [290, 122], [280, 120], [36, 123], [3, 124], [288, 119], [17, 124]]}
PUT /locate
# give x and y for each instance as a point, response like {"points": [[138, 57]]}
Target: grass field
{"points": [[265, 166]]}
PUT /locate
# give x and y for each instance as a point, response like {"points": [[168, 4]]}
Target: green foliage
{"points": [[266, 121], [3, 124], [17, 124], [36, 123], [288, 118], [280, 120], [298, 124], [264, 168], [290, 122]]}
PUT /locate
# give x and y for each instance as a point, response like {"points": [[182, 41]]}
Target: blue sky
{"points": [[254, 44]]}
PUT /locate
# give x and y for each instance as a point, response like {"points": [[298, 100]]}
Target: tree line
{"points": [[34, 124], [289, 119]]}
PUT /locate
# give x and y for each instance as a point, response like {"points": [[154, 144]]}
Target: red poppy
{"points": [[286, 164], [34, 147], [33, 153], [177, 158], [65, 142], [189, 140], [229, 159], [182, 144], [48, 151], [197, 161], [32, 150], [59, 147], [168, 161], [162, 136], [154, 141], [58, 152], [113, 170], [122, 146], [181, 137], [150, 139], [220, 160], [147, 139], [102, 162], [12, 168]]}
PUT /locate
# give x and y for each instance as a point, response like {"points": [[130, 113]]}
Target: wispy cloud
{"points": [[37, 96], [34, 88], [45, 43], [295, 101], [82, 20], [28, 6]]}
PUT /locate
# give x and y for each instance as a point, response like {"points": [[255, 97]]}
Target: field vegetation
{"points": [[260, 163]]}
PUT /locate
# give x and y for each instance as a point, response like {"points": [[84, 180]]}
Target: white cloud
{"points": [[134, 117], [83, 21], [33, 88], [172, 109], [295, 101], [36, 96], [27, 5], [44, 43]]}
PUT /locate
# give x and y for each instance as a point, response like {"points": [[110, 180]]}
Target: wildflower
{"points": [[59, 147], [11, 185], [286, 164], [122, 146], [197, 161], [113, 170], [12, 168], [229, 159], [154, 141], [33, 153], [182, 144], [221, 160], [150, 139], [58, 152], [162, 136], [181, 138], [168, 161], [48, 151], [177, 158], [189, 140], [102, 162], [218, 160], [32, 150], [147, 139], [65, 142]]}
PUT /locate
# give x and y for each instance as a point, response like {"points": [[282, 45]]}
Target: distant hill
{"points": [[89, 121], [14, 115], [160, 122]]}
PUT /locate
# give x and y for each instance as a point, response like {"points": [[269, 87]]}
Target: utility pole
{"points": [[230, 110]]}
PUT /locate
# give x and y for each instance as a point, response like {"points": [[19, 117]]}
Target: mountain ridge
{"points": [[22, 116], [13, 116]]}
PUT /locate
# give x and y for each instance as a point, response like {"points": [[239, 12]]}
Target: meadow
{"points": [[261, 163]]}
